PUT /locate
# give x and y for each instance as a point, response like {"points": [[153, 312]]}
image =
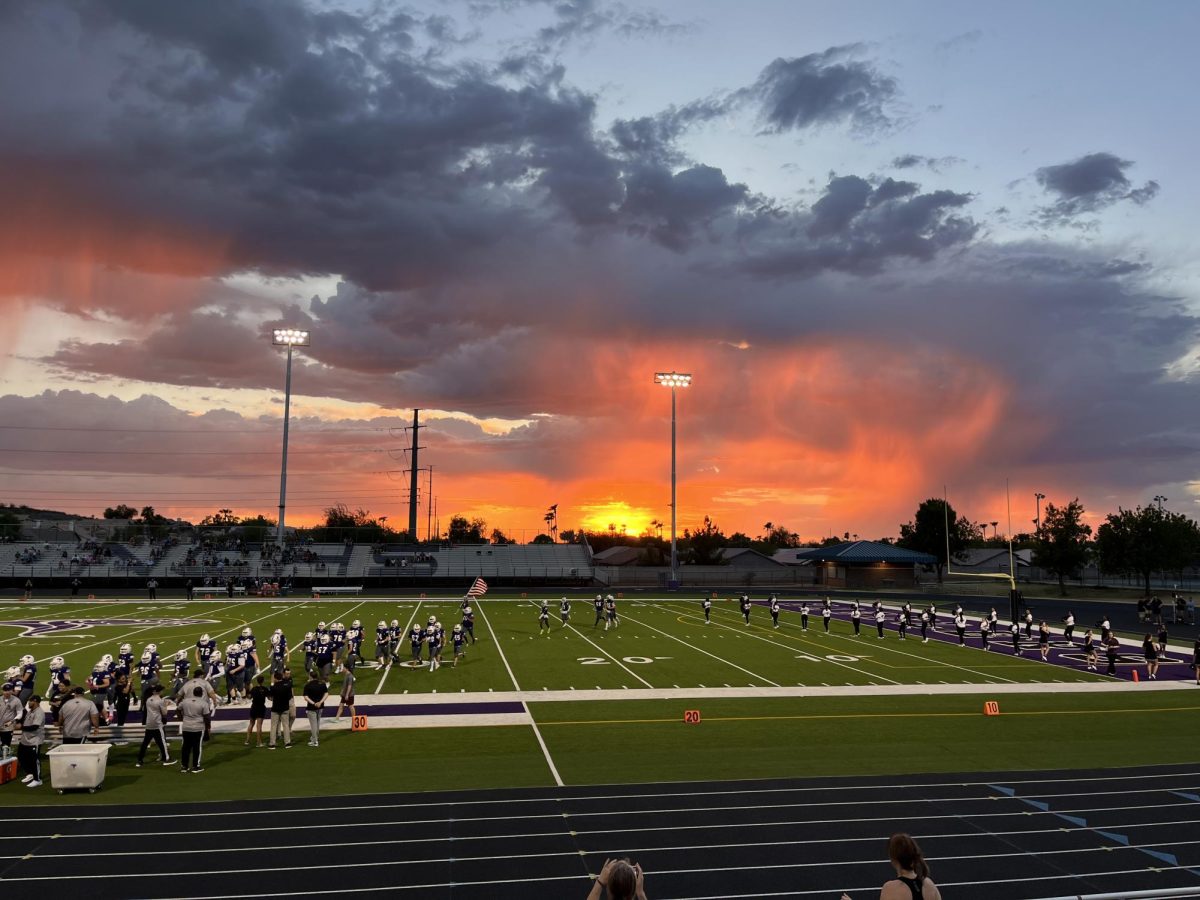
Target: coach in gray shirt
{"points": [[10, 715], [192, 711], [79, 718], [156, 713]]}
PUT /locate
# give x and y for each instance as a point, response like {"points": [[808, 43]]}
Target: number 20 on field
{"points": [[691, 717]]}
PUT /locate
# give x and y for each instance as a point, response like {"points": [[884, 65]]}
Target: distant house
{"points": [[617, 556], [746, 558], [992, 560], [859, 564]]}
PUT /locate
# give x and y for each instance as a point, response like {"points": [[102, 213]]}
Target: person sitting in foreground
{"points": [[912, 881], [623, 880]]}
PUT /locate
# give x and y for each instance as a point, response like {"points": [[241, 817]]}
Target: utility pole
{"points": [[429, 509], [412, 480]]}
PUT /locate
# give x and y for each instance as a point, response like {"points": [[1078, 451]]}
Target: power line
{"points": [[92, 452], [271, 430]]}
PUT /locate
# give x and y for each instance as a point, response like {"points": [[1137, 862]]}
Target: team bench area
{"points": [[342, 589]]}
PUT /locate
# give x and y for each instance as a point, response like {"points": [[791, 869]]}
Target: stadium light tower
{"points": [[673, 380], [286, 337]]}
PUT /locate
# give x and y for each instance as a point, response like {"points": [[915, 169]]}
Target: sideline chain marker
{"points": [[991, 708], [691, 717], [358, 723]]}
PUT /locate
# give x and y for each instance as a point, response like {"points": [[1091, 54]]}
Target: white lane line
{"points": [[610, 656], [536, 731], [403, 636], [705, 652]]}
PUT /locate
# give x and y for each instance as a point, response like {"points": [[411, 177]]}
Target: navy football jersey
{"points": [[29, 673], [146, 670], [58, 676], [459, 640], [383, 635], [181, 668]]}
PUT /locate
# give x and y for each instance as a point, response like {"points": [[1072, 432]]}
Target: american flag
{"points": [[478, 589]]}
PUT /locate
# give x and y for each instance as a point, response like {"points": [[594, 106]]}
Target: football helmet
{"points": [[467, 611], [204, 638], [324, 639], [308, 635], [181, 654], [27, 660], [275, 638], [57, 663], [153, 648], [279, 631], [246, 643], [395, 623], [106, 659], [431, 630], [247, 632], [432, 619], [416, 628], [458, 629], [382, 623], [126, 648], [13, 673], [356, 624], [147, 656], [609, 597], [321, 626]]}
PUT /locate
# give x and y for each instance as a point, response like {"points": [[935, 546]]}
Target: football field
{"points": [[527, 709]]}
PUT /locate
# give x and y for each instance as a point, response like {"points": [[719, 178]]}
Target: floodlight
{"points": [[290, 337], [673, 379]]}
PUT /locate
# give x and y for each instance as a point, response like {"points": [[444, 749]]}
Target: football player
{"points": [[383, 643], [180, 672], [544, 618], [324, 660], [610, 613], [26, 679], [354, 638], [250, 644], [279, 652], [431, 638], [460, 645], [235, 668], [395, 633], [746, 607], [599, 604], [100, 682], [468, 623], [125, 659], [564, 610], [213, 673], [205, 648], [147, 669], [706, 605], [415, 639], [310, 652], [59, 672]]}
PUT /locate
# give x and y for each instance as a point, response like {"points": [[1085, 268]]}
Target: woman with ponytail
{"points": [[912, 881]]}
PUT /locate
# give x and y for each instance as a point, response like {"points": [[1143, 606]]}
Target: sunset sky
{"points": [[899, 245]]}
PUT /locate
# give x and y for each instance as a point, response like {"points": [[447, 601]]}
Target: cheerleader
{"points": [[1150, 652], [925, 626], [1089, 650], [985, 630], [1044, 641]]}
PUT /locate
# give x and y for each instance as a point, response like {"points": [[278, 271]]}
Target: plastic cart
{"points": [[78, 766]]}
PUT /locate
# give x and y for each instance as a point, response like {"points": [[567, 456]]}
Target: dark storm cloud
{"points": [[857, 227], [824, 88], [1088, 185], [934, 164]]}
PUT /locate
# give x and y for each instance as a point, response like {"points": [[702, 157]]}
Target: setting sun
{"points": [[622, 517]]}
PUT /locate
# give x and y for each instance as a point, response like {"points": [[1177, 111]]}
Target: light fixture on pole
{"points": [[673, 380], [1160, 500], [1038, 497], [286, 337]]}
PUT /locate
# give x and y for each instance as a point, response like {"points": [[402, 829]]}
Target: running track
{"points": [[1021, 835]]}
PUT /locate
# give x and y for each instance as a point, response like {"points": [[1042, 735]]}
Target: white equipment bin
{"points": [[78, 766]]}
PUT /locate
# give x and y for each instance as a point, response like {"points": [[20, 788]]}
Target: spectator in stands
{"points": [[912, 881], [79, 719], [622, 879], [315, 693], [33, 732]]}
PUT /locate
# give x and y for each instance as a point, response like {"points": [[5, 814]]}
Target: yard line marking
{"points": [[785, 647], [533, 723], [706, 653], [407, 626], [613, 658]]}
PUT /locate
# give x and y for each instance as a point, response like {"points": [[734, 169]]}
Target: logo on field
{"points": [[43, 627]]}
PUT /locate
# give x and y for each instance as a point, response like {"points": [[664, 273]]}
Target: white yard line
{"points": [[794, 649], [610, 656], [403, 636], [536, 731], [705, 652]]}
